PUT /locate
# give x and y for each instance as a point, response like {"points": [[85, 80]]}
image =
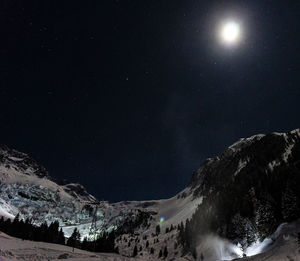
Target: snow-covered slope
{"points": [[12, 249], [27, 189], [282, 245]]}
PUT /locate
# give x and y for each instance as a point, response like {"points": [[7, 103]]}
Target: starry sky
{"points": [[129, 97]]}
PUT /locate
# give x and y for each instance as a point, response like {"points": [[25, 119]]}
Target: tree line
{"points": [[26, 230]]}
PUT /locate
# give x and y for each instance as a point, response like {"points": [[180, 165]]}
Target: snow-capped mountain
{"points": [[26, 188], [239, 198]]}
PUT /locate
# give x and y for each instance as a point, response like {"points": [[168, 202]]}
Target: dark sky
{"points": [[129, 97]]}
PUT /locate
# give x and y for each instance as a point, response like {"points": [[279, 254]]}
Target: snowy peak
{"points": [[79, 192], [27, 189], [18, 168], [12, 160]]}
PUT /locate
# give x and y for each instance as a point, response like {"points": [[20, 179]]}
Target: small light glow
{"points": [[161, 220], [258, 247]]}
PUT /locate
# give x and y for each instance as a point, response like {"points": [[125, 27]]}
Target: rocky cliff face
{"points": [[19, 162], [27, 189], [249, 190]]}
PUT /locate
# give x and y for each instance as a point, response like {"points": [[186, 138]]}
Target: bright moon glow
{"points": [[230, 32]]}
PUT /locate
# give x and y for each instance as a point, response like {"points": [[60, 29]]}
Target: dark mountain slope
{"points": [[248, 191]]}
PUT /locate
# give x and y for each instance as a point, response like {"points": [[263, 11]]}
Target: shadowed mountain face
{"points": [[249, 190]]}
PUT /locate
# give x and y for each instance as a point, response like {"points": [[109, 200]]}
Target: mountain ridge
{"points": [[242, 195]]}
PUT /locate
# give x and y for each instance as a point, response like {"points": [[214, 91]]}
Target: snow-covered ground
{"points": [[281, 246], [12, 249], [172, 210]]}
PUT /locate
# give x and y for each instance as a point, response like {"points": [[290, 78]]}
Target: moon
{"points": [[230, 32]]}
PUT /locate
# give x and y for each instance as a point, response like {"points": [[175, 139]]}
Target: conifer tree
{"points": [[134, 251], [157, 229], [1, 223], [165, 252], [74, 240], [61, 237], [44, 232], [7, 226], [84, 244], [15, 227], [160, 253]]}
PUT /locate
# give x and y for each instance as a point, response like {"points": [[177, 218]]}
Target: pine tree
{"points": [[44, 232], [134, 251], [157, 229], [194, 253], [7, 226], [15, 226], [175, 245], [147, 244], [53, 232], [22, 233], [28, 229], [17, 218], [152, 251], [1, 223], [74, 240], [290, 204], [61, 237], [265, 220], [165, 252], [160, 253], [84, 244]]}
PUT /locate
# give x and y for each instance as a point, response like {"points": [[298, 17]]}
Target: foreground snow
{"points": [[282, 245], [12, 249]]}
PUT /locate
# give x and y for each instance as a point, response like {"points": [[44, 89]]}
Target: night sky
{"points": [[130, 97]]}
